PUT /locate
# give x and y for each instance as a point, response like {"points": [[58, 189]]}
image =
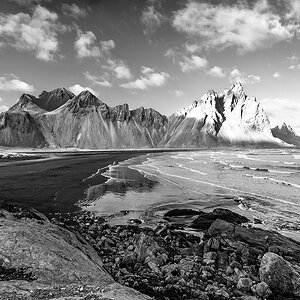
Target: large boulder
{"points": [[36, 256], [204, 220], [256, 238], [152, 251], [281, 276]]}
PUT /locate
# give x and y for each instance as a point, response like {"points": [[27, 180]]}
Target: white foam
{"points": [[244, 156], [275, 180], [190, 169], [215, 185]]}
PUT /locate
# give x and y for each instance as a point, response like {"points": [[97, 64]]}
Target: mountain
{"points": [[287, 134], [60, 119], [19, 128], [230, 118], [82, 121], [54, 99]]}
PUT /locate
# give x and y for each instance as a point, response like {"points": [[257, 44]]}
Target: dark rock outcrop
{"points": [[205, 220], [262, 240], [54, 99], [19, 128]]}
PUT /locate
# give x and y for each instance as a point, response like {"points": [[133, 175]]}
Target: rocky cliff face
{"points": [[287, 134], [87, 122], [40, 260], [231, 118], [60, 119], [54, 99], [19, 128]]}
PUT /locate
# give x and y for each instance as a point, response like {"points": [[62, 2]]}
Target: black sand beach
{"points": [[54, 185]]}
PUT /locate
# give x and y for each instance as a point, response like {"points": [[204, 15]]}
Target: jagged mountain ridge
{"points": [[287, 134], [231, 118], [84, 121], [61, 119]]}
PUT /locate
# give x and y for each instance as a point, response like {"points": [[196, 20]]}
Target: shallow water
{"points": [[263, 184]]}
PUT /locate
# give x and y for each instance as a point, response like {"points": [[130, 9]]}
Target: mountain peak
{"points": [[53, 99], [83, 101], [287, 127], [87, 96], [237, 89], [287, 134]]}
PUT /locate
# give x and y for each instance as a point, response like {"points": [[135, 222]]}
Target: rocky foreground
{"points": [[81, 257]]}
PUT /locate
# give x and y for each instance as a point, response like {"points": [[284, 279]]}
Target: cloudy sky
{"points": [[154, 53]]}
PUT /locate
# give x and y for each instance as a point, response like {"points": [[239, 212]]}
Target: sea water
{"points": [[262, 184]]}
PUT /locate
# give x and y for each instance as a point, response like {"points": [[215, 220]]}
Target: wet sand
{"points": [[54, 184]]}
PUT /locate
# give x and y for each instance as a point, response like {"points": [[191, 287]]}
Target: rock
{"points": [[44, 258], [181, 212], [281, 276], [210, 255], [219, 227], [151, 250], [229, 271], [262, 290], [245, 284], [257, 239], [206, 219]]}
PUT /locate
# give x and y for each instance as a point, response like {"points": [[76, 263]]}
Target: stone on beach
{"points": [[281, 276]]}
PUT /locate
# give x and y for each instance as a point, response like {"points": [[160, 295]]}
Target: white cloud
{"points": [[74, 11], [192, 48], [37, 33], [179, 93], [222, 26], [276, 75], [282, 110], [107, 46], [119, 68], [148, 79], [146, 70], [13, 83], [97, 80], [237, 76], [151, 19], [294, 67], [77, 89], [86, 45], [191, 63], [3, 108], [216, 72], [293, 58], [294, 10], [187, 60], [122, 72]]}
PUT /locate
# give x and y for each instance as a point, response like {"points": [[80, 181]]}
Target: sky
{"points": [[162, 54]]}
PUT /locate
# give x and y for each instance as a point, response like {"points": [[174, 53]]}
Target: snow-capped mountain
{"points": [[287, 134], [230, 118], [61, 119]]}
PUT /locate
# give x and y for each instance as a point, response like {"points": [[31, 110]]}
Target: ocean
{"points": [[261, 184]]}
